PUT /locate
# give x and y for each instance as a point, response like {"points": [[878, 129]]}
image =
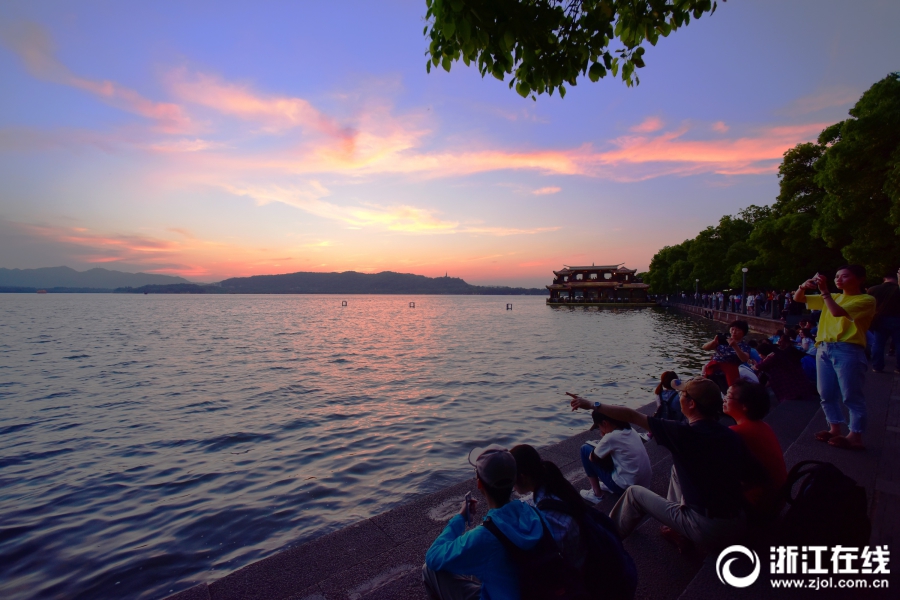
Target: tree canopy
{"points": [[545, 44], [839, 202]]}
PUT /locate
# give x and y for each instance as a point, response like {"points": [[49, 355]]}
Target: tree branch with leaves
{"points": [[548, 44]]}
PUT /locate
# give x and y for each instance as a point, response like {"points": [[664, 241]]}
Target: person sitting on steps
{"points": [[705, 501], [473, 564], [618, 461], [543, 479], [730, 352], [747, 403]]}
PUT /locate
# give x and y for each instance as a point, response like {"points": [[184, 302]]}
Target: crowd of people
{"points": [[724, 481], [772, 304]]}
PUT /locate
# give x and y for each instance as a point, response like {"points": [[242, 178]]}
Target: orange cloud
{"points": [[648, 125], [34, 45], [402, 218]]}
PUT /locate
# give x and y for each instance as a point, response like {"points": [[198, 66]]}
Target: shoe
{"points": [[590, 496]]}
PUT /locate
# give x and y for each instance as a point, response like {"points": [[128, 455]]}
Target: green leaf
{"points": [[596, 72], [509, 40], [446, 62], [562, 91], [449, 28], [523, 89]]}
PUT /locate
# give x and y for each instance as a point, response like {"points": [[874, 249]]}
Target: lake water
{"points": [[148, 443]]}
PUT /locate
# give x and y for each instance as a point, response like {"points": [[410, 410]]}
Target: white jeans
{"points": [[707, 533]]}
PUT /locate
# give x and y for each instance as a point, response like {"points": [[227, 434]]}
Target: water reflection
{"points": [[150, 441]]}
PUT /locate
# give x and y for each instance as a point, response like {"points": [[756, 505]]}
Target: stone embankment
{"points": [[380, 558]]}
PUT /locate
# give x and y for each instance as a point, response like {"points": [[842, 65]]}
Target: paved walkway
{"points": [[380, 558]]}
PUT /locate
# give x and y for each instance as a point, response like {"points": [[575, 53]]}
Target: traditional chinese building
{"points": [[597, 286]]}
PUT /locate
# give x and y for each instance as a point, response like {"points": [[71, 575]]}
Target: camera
{"points": [[721, 339]]}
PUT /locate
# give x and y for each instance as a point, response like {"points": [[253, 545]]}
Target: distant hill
{"points": [[349, 282], [95, 279]]}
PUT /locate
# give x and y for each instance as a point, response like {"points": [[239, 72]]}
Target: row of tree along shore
{"points": [[839, 203]]}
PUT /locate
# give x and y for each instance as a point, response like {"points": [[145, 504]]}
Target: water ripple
{"points": [[153, 442]]}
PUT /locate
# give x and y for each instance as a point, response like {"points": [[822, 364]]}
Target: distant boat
{"points": [[42, 291]]}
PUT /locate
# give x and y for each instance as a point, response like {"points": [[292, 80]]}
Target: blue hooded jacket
{"points": [[479, 553]]}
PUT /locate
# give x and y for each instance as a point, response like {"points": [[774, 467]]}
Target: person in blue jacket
{"points": [[468, 565]]}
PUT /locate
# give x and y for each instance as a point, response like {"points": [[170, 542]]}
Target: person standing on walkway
{"points": [[751, 304], [886, 324], [841, 351]]}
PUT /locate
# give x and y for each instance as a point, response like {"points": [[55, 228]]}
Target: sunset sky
{"points": [[219, 139]]}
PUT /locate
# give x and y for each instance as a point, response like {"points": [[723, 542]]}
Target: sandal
{"points": [[824, 436], [843, 443]]}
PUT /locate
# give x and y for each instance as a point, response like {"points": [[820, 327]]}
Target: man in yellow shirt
{"points": [[841, 351]]}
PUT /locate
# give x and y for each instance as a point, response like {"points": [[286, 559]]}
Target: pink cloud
{"points": [[720, 127], [648, 125], [275, 114], [546, 190], [34, 45]]}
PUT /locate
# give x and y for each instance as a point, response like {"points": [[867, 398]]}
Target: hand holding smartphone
{"points": [[467, 514]]}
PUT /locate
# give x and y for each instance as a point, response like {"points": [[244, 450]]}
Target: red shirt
{"points": [[763, 445]]}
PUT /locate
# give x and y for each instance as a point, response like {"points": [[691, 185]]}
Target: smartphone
{"points": [[468, 515]]}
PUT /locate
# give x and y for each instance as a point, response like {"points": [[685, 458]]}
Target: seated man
{"points": [[705, 498], [473, 564], [730, 352], [618, 461]]}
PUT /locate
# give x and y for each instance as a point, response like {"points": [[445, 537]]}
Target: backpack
{"points": [[669, 407], [830, 509], [609, 572], [544, 574]]}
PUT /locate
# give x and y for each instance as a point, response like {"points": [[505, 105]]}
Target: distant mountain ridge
{"points": [[348, 282], [351, 282], [65, 277]]}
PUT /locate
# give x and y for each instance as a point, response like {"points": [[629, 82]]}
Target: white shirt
{"points": [[631, 465]]}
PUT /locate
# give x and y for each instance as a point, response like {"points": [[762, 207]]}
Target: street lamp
{"points": [[744, 290]]}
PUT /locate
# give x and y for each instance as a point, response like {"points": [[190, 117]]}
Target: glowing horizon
{"points": [[156, 149]]}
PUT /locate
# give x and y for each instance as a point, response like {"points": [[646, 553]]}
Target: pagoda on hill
{"points": [[605, 285]]}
